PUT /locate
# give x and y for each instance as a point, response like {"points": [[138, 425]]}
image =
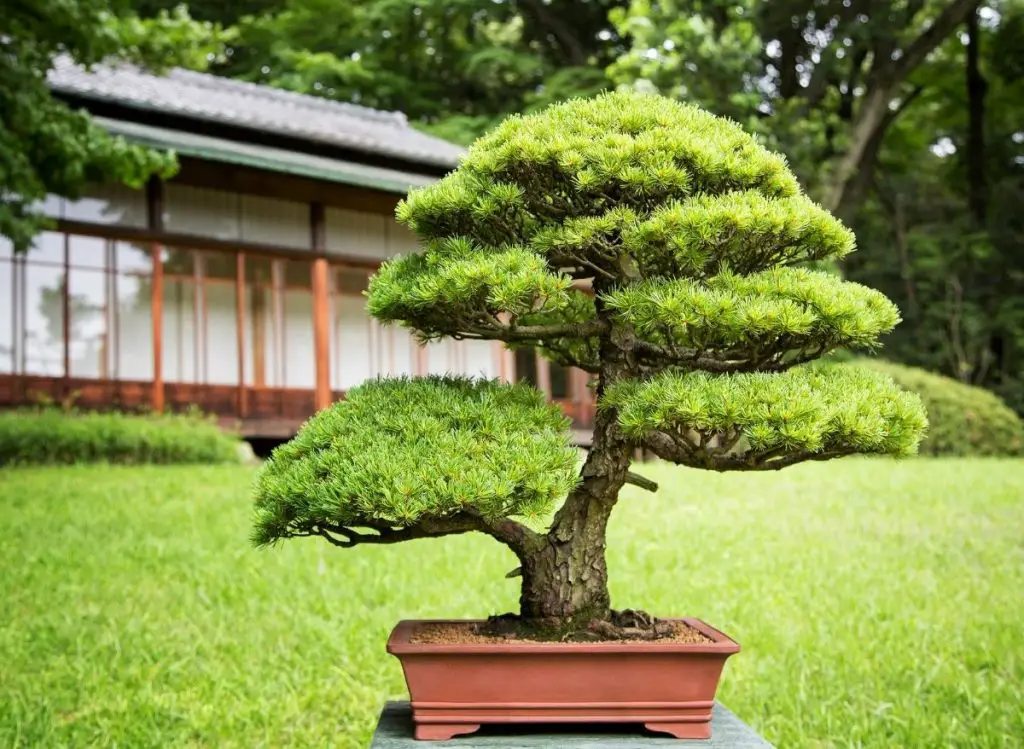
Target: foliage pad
{"points": [[765, 421], [401, 452]]}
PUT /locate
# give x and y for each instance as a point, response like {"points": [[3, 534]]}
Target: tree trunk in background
{"points": [[976, 90], [882, 86]]}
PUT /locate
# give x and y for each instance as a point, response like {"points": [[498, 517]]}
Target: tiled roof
{"points": [[261, 108]]}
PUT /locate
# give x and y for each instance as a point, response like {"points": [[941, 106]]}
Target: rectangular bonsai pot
{"points": [[668, 686]]}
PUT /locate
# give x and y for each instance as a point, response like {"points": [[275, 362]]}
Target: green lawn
{"points": [[879, 605]]}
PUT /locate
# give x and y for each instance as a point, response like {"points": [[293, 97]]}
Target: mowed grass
{"points": [[879, 604]]}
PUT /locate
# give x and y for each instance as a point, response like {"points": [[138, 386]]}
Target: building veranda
{"points": [[236, 287]]}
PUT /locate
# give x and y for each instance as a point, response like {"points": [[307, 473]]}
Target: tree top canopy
{"points": [[658, 246], [683, 224]]}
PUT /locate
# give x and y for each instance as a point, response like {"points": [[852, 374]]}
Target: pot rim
{"points": [[399, 643]]}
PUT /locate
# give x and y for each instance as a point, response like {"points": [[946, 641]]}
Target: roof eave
{"points": [[436, 165]]}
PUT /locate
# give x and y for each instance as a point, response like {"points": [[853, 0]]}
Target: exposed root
{"points": [[620, 625]]}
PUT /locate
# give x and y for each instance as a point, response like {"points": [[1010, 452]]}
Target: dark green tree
{"points": [[454, 66], [689, 234], [45, 146], [823, 79], [942, 231]]}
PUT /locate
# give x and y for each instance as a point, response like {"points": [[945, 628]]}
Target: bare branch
{"points": [[655, 355], [643, 483], [914, 54], [664, 445], [516, 536], [513, 333]]}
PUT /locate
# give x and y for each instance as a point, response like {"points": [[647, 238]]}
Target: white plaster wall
{"points": [[397, 351], [400, 241], [203, 212], [278, 222], [221, 339], [441, 357], [6, 308], [480, 359], [299, 348], [353, 349]]}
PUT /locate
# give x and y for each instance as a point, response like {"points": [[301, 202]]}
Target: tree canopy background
{"points": [[902, 117]]}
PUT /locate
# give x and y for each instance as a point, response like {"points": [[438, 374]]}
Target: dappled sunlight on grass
{"points": [[877, 604]]}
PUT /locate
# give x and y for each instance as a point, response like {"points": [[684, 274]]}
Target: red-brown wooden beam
{"points": [[157, 313], [321, 333], [243, 401], [321, 306]]}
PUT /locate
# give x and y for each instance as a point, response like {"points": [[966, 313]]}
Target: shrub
{"points": [[51, 436], [963, 420]]}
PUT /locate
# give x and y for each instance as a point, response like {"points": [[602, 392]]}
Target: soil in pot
{"points": [[468, 633]]}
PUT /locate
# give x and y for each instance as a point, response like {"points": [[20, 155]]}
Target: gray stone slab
{"points": [[395, 731]]}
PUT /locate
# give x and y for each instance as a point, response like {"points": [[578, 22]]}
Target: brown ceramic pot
{"points": [[668, 686]]}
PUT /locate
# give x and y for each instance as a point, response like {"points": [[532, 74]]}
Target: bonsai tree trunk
{"points": [[566, 579]]}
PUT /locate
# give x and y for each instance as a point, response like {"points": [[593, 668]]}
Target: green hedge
{"points": [[52, 436], [963, 420]]}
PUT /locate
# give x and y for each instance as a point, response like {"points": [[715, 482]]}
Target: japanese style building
{"points": [[235, 287]]}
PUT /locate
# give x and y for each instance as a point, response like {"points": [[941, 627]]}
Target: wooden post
{"points": [[243, 401], [66, 314], [258, 311], [320, 333], [155, 204], [321, 308], [155, 222], [157, 313]]}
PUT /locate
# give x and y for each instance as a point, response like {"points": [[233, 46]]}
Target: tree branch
{"points": [[944, 24], [562, 31], [643, 483], [883, 84], [526, 333], [665, 446], [516, 536], [653, 354]]}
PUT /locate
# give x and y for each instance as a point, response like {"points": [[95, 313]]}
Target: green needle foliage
{"points": [[766, 421], [455, 287], [640, 239], [405, 452], [758, 319]]}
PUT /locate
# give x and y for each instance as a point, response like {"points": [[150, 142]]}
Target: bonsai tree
{"points": [[645, 241]]}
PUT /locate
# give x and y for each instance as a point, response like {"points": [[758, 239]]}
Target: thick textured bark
{"points": [[976, 90], [567, 578]]}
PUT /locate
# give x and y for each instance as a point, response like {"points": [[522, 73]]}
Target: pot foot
{"points": [[682, 730], [443, 731]]}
